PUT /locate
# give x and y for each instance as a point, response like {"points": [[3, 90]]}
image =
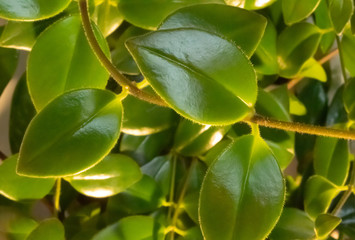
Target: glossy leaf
{"points": [[193, 139], [331, 159], [349, 98], [62, 60], [296, 44], [217, 150], [127, 228], [114, 174], [226, 21], [30, 10], [22, 112], [325, 224], [107, 16], [8, 63], [348, 48], [250, 4], [249, 183], [319, 194], [150, 13], [293, 224], [52, 228], [340, 13], [296, 10], [17, 187], [203, 77], [82, 124], [143, 118]]}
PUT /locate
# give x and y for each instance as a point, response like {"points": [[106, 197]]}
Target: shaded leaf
{"points": [[348, 49], [325, 224], [8, 63], [50, 227], [349, 98], [340, 13]]}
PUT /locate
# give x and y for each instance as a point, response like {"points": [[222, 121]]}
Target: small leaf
{"points": [[62, 60], [250, 4], [296, 106], [127, 228], [71, 134], [340, 13], [348, 50], [52, 228], [293, 224], [150, 13], [193, 139], [17, 187], [296, 44], [8, 63], [245, 189], [349, 98], [31, 10], [114, 174], [319, 194], [297, 10], [331, 159], [313, 69], [203, 77], [230, 22], [107, 16], [325, 224]]}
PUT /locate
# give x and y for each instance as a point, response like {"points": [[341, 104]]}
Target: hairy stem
{"points": [[116, 75]]}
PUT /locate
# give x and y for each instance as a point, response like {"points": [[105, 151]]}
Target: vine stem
{"points": [[2, 155], [116, 75], [57, 196]]}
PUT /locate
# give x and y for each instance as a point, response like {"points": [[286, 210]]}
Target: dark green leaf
{"points": [[348, 48], [325, 224], [340, 12], [30, 10], [50, 228], [203, 77], [336, 112], [8, 63], [230, 22], [73, 133], [245, 189], [114, 174], [297, 10], [62, 60], [349, 98]]}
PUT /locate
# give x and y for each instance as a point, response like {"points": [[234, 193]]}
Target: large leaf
{"points": [[230, 22], [8, 63], [112, 175], [297, 10], [61, 60], [74, 132], [30, 10], [51, 228], [331, 159], [243, 192], [132, 228], [340, 13], [250, 4], [150, 13], [18, 187], [202, 76], [296, 44]]}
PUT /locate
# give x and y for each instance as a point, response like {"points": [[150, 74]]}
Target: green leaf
{"points": [[229, 22], [62, 60], [31, 10], [203, 77], [296, 44], [250, 4], [319, 194], [127, 228], [265, 57], [331, 159], [107, 16], [217, 150], [340, 13], [120, 55], [296, 106], [22, 112], [114, 174], [245, 189], [82, 124], [313, 69], [348, 50], [297, 10], [150, 13], [8, 63], [349, 98], [325, 224], [193, 139], [17, 187], [293, 224], [143, 118], [52, 228], [336, 112]]}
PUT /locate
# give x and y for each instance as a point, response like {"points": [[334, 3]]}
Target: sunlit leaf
{"points": [[297, 10], [107, 16], [250, 4]]}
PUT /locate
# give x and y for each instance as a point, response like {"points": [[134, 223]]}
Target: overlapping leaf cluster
{"points": [[109, 165]]}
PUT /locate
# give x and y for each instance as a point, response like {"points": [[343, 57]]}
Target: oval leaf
{"points": [[62, 60], [340, 13], [230, 22], [17, 187], [31, 10], [249, 183], [203, 77], [74, 132], [297, 10], [325, 224], [107, 16], [50, 227], [348, 50], [110, 176]]}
